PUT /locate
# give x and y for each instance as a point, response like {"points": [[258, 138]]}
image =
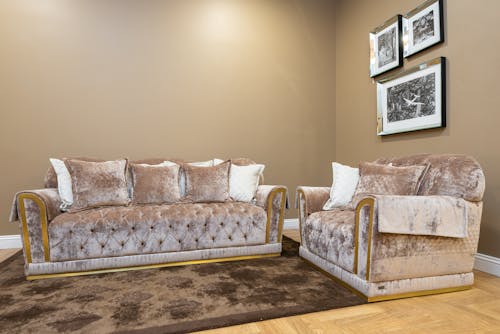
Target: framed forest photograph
{"points": [[423, 27], [412, 100], [386, 46]]}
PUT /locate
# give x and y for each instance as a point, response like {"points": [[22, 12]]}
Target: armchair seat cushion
{"points": [[330, 235], [118, 231]]}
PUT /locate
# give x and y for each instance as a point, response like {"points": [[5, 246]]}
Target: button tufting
{"points": [[102, 245], [221, 224], [170, 226], [142, 243], [133, 228], [180, 241], [160, 242], [92, 230], [213, 238], [122, 243], [151, 227], [230, 238], [187, 226], [245, 236], [196, 240], [237, 223]]}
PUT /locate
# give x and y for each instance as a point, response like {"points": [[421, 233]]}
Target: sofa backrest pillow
{"points": [[50, 180], [63, 183], [454, 175], [345, 180], [243, 181], [96, 184], [377, 179], [155, 184], [207, 184]]}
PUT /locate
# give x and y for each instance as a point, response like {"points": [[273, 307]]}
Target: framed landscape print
{"points": [[423, 27], [386, 46], [412, 100]]}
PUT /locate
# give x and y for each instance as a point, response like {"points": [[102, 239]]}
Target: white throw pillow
{"points": [[63, 183], [217, 161], [345, 181], [243, 181]]}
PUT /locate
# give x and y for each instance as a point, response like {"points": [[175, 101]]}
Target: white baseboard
{"points": [[10, 241], [488, 264], [291, 224]]}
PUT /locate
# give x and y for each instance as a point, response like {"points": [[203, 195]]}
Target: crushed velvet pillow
{"points": [[207, 184], [377, 179], [50, 180], [97, 184], [155, 184]]}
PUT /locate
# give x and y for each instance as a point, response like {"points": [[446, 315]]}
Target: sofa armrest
{"points": [[309, 200], [274, 199], [382, 256], [35, 209]]}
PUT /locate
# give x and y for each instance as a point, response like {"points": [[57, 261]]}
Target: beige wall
{"points": [[473, 53], [190, 79]]}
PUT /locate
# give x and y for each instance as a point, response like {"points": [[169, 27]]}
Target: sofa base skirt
{"points": [[379, 291], [148, 261]]}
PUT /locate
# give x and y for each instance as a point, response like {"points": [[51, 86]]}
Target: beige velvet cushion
{"points": [[155, 184], [50, 180], [377, 179], [98, 183], [207, 184]]}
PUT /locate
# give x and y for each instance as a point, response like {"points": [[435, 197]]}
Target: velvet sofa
{"points": [[399, 246], [129, 237]]}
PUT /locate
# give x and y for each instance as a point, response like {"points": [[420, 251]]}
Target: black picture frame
{"points": [[413, 100], [423, 27], [388, 37]]}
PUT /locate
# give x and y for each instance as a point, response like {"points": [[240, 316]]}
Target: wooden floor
{"points": [[472, 311]]}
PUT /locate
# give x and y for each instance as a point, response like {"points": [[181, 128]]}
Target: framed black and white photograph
{"points": [[423, 27], [386, 46], [412, 100]]}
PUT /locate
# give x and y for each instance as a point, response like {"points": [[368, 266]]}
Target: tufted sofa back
{"points": [[50, 180], [449, 174]]}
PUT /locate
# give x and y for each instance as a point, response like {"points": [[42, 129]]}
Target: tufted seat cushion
{"points": [[330, 235], [118, 231]]}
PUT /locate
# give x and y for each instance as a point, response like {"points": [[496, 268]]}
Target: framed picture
{"points": [[423, 27], [412, 100], [386, 46]]}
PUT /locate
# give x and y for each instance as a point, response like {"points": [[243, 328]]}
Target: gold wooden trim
{"points": [[371, 203], [281, 217], [152, 266], [43, 221], [300, 193], [418, 293], [388, 297]]}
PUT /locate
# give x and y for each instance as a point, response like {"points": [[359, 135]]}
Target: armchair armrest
{"points": [[309, 200], [274, 199], [383, 252], [35, 209]]}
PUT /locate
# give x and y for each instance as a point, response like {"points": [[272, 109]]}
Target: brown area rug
{"points": [[168, 300]]}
